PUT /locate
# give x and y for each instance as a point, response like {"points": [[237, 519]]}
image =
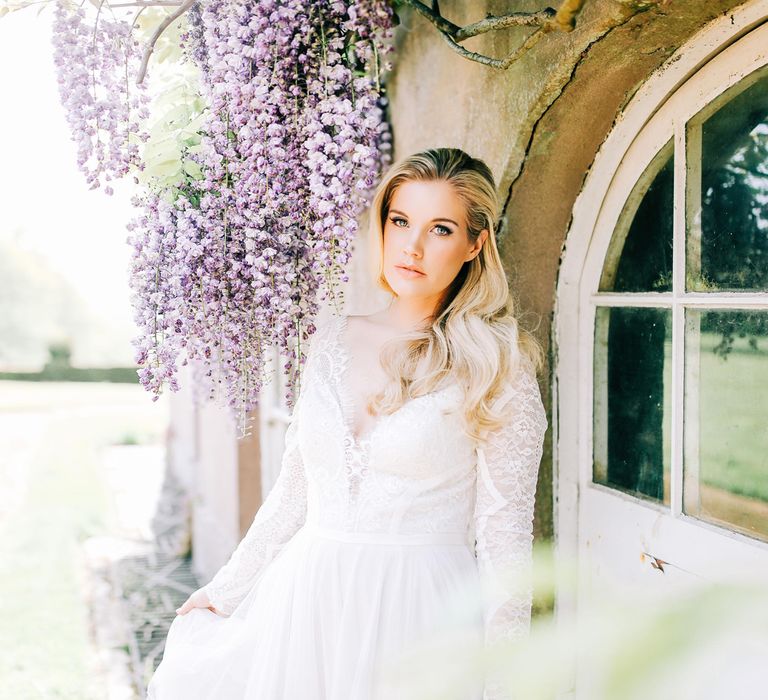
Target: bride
{"points": [[378, 562]]}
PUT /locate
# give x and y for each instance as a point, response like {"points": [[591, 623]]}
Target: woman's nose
{"points": [[413, 244]]}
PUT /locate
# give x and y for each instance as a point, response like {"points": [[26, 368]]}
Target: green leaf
{"points": [[192, 141], [178, 116], [158, 151], [192, 168]]}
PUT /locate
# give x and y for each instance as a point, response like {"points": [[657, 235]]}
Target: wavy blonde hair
{"points": [[474, 337]]}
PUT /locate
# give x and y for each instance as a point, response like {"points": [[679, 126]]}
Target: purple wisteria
{"points": [[94, 57], [236, 262]]}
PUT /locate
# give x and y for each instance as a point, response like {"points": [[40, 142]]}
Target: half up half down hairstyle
{"points": [[473, 337]]}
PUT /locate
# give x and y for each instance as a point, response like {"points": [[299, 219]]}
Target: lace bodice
{"points": [[413, 471]]}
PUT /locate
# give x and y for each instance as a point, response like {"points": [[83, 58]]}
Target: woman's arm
{"points": [[508, 466], [281, 514]]}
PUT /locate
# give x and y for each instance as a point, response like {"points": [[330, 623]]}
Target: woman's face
{"points": [[426, 228]]}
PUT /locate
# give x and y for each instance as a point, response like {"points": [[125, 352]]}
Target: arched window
{"points": [[662, 324], [705, 281]]}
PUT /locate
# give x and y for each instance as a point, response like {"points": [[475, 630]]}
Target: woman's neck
{"points": [[408, 315]]}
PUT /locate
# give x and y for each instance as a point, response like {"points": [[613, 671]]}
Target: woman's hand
{"points": [[199, 599]]}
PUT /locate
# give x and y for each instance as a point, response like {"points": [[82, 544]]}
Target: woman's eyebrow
{"points": [[395, 211]]}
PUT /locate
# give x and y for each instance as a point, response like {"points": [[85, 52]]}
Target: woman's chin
{"points": [[407, 290]]}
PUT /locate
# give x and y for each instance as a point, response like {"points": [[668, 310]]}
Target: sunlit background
{"points": [[81, 462], [63, 256], [82, 459]]}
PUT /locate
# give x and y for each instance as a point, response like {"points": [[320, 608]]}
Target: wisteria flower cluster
{"points": [[95, 57], [293, 139]]}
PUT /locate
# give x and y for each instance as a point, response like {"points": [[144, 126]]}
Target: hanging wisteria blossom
{"points": [[94, 57], [292, 140]]}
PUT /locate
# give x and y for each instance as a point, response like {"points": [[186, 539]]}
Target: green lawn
{"points": [[54, 498], [733, 420]]}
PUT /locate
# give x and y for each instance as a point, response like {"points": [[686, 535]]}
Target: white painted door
{"points": [[662, 332]]}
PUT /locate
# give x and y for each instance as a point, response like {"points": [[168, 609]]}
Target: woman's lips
{"points": [[405, 272]]}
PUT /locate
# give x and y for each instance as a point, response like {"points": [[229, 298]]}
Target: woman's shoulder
{"points": [[325, 324], [365, 322], [328, 320], [330, 323], [520, 382], [335, 319]]}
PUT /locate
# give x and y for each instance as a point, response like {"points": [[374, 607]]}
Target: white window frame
{"points": [[708, 64]]}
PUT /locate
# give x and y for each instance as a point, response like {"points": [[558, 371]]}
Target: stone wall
{"points": [[538, 125]]}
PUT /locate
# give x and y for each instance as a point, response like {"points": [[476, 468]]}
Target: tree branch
{"points": [[170, 19], [147, 3], [434, 16], [502, 64], [516, 19], [566, 14], [546, 20]]}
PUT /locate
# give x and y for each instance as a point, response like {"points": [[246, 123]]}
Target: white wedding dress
{"points": [[373, 568]]}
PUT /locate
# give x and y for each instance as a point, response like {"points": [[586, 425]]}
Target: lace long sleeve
{"points": [[508, 466], [281, 514]]}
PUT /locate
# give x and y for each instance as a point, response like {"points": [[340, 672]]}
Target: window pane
{"points": [[633, 351], [726, 418], [727, 213], [640, 255]]}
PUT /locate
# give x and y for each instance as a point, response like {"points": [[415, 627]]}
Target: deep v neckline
{"points": [[348, 404]]}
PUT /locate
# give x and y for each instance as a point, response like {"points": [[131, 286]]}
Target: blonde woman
{"points": [[408, 476]]}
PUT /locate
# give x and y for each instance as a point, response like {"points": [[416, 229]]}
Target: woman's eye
{"points": [[442, 230]]}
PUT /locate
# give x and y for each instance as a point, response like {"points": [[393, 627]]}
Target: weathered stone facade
{"points": [[538, 125]]}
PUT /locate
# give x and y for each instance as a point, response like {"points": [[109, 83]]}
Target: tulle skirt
{"points": [[338, 616]]}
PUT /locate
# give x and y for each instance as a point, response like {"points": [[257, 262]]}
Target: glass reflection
{"points": [[727, 244], [640, 256], [632, 400], [726, 424]]}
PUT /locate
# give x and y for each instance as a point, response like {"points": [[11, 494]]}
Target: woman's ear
{"points": [[477, 247]]}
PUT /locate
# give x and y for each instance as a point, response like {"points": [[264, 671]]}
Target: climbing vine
{"points": [[254, 155], [254, 161]]}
